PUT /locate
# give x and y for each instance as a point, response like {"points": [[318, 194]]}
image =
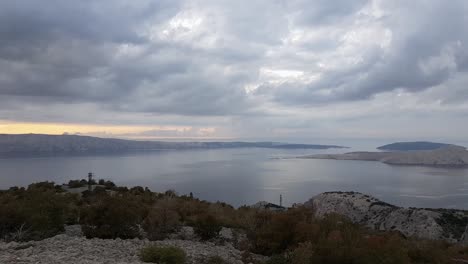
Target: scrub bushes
{"points": [[112, 217], [207, 227], [162, 220], [35, 213]]}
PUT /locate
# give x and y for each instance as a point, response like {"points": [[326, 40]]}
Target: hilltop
{"points": [[55, 145]]}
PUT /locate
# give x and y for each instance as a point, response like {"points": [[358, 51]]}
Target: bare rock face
{"points": [[363, 209]]}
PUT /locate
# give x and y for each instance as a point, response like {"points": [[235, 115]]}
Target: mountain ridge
{"points": [[18, 145]]}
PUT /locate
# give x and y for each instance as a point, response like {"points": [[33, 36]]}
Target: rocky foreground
{"points": [[437, 224], [73, 248], [450, 156]]}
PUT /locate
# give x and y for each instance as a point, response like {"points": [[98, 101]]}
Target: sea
{"points": [[244, 176]]}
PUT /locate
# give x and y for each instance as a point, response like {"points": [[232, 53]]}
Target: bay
{"points": [[247, 175]]}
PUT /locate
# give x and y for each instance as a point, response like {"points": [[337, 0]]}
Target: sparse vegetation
{"points": [[166, 255], [292, 236], [111, 217], [162, 219], [207, 227], [38, 212]]}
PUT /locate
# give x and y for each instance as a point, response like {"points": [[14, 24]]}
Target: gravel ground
{"points": [[72, 249]]}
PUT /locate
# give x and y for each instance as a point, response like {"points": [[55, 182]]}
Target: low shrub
{"points": [[207, 227], [161, 254], [36, 213], [107, 184], [76, 184], [162, 220], [112, 217]]}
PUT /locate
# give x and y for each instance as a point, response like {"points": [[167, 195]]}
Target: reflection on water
{"points": [[245, 176]]}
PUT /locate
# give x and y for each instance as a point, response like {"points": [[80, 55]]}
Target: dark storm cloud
{"points": [[68, 52], [52, 49], [197, 57]]}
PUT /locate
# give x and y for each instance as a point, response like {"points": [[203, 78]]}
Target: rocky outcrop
{"points": [[446, 224], [455, 156]]}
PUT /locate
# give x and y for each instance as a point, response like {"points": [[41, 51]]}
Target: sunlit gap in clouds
{"points": [[118, 131]]}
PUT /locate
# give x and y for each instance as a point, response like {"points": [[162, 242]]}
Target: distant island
{"points": [[417, 145], [26, 145], [449, 156]]}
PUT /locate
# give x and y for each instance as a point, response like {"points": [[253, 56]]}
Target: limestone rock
{"points": [[72, 249], [446, 224]]}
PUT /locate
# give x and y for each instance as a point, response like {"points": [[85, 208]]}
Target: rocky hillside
{"points": [[456, 156], [38, 145], [363, 209]]}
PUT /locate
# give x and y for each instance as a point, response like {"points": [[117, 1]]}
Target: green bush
{"points": [[36, 213], [162, 220], [44, 186], [207, 227], [112, 217], [166, 255], [76, 184], [107, 184]]}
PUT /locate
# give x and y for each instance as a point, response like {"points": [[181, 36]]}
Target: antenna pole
{"points": [[90, 179]]}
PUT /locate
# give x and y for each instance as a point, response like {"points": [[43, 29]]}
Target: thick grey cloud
{"points": [[427, 48], [249, 67]]}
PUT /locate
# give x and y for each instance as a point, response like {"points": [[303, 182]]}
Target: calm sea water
{"points": [[245, 176]]}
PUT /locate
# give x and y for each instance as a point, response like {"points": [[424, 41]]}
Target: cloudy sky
{"points": [[276, 69]]}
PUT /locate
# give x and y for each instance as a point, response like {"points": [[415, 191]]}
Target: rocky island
{"points": [[416, 145], [446, 156]]}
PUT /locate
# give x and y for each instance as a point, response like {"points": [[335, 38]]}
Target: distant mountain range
{"points": [[56, 145], [417, 145]]}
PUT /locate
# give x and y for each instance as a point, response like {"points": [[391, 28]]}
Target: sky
{"points": [[289, 70]]}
